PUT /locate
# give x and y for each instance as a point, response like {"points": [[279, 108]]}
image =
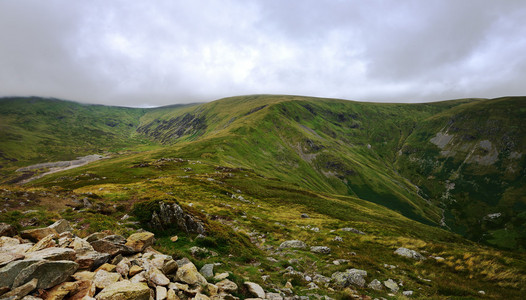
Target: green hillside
{"points": [[458, 164]]}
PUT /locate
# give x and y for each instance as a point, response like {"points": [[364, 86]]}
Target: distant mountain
{"points": [[459, 164]]}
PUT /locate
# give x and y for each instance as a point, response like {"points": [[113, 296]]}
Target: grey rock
{"points": [[207, 271], [11, 270], [375, 285], [407, 293], [95, 236], [305, 216], [274, 296], [255, 289], [172, 216], [293, 244], [48, 273], [61, 226], [409, 253], [349, 277], [92, 259], [392, 285], [113, 245], [53, 253], [320, 249], [227, 286]]}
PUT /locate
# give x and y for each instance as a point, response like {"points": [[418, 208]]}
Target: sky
{"points": [[151, 53]]}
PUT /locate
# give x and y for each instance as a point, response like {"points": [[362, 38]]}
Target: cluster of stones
{"points": [[52, 263]]}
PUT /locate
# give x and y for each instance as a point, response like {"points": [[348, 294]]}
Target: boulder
{"points": [[293, 244], [349, 277], [11, 270], [37, 234], [320, 249], [21, 291], [187, 273], [172, 216], [125, 290], [273, 296], [157, 277], [375, 285], [102, 278], [48, 273], [113, 245], [407, 293], [7, 230], [53, 253], [80, 245], [409, 253], [207, 271], [91, 260], [255, 289], [139, 241], [392, 285], [61, 226], [96, 236], [226, 286], [6, 242]]}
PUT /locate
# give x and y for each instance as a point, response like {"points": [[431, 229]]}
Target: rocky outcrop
{"points": [[349, 277], [172, 216]]}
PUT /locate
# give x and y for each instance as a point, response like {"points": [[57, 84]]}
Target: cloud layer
{"points": [[140, 53]]}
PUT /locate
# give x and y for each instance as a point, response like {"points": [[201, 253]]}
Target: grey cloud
{"points": [[139, 53]]}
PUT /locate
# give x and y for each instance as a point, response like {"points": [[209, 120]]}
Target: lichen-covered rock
{"points": [[61, 291], [392, 285], [188, 273], [320, 249], [227, 286], [157, 277], [140, 241], [104, 278], [293, 244], [409, 253], [207, 271], [375, 285], [124, 290], [91, 259], [349, 277], [53, 253]]}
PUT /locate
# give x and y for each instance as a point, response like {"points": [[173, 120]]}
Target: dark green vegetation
{"points": [[394, 171]]}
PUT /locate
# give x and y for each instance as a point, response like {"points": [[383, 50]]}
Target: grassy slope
{"points": [[326, 145], [476, 188], [271, 215]]}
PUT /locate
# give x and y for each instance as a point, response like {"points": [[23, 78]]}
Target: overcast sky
{"points": [[148, 53]]}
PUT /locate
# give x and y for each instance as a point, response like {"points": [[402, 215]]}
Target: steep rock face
{"points": [[171, 215]]}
